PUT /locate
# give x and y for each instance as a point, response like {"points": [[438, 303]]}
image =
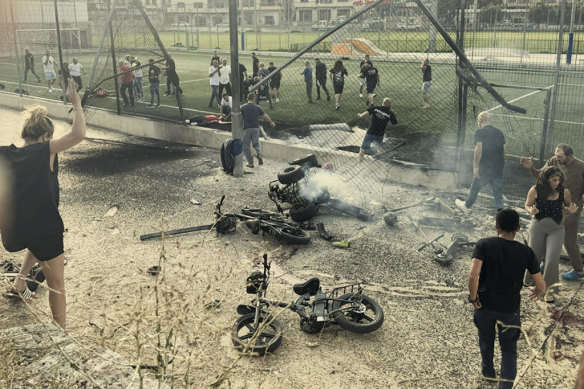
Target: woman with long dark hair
{"points": [[338, 73], [547, 201], [33, 221]]}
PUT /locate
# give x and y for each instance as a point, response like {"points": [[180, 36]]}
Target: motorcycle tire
{"points": [[368, 317], [301, 214], [308, 159], [290, 234], [290, 175], [243, 333]]}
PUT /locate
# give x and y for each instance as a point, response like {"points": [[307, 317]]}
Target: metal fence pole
{"points": [[60, 47], [546, 117], [557, 75], [236, 119], [16, 49]]}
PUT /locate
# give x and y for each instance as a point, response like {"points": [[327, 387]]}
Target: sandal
{"points": [[26, 294]]}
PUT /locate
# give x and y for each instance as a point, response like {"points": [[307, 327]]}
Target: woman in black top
{"points": [[338, 73], [547, 201], [33, 221]]}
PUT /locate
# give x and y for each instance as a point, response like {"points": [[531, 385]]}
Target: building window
{"points": [[201, 21], [197, 5], [305, 15], [180, 5], [269, 20]]}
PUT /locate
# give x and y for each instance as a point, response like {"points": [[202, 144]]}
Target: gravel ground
{"points": [[115, 189]]}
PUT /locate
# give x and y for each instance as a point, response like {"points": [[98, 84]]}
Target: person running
{"points": [[275, 82], [371, 75], [154, 80], [214, 75], [127, 81], [320, 69], [362, 79], [338, 73], [495, 280], [251, 113], [380, 116], [307, 73], [29, 65], [225, 78], [35, 223], [426, 82], [547, 201], [573, 170], [76, 69], [488, 163], [49, 69], [138, 74]]}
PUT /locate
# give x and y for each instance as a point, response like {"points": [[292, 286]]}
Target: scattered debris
{"points": [[112, 211], [423, 202], [321, 231], [390, 218], [154, 270], [195, 201], [342, 244]]}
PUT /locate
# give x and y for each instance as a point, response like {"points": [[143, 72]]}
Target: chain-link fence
{"points": [[519, 52]]}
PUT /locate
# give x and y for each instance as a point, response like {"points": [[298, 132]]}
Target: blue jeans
{"points": [[496, 183], [154, 90], [138, 87], [486, 319], [130, 88], [214, 95]]}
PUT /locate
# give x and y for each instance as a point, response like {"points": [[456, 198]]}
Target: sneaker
{"points": [[157, 105], [51, 90], [460, 204], [249, 165], [150, 106], [260, 160], [277, 100], [361, 95], [337, 106], [572, 275]]}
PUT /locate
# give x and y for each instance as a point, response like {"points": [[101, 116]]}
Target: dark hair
{"points": [[338, 66], [568, 151], [507, 219], [543, 186], [251, 96]]}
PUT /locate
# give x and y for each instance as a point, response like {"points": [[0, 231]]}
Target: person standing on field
{"points": [[138, 74], [127, 81], [255, 65], [573, 171], [426, 82], [494, 282], [320, 69], [275, 82], [214, 74], [154, 80], [362, 80], [371, 76], [49, 69], [29, 65], [338, 73], [307, 73]]}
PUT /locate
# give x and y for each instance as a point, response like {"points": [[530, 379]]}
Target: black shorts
{"points": [[371, 88], [43, 248], [338, 88], [275, 84]]}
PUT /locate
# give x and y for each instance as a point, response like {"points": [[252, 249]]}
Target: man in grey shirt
{"points": [[251, 114]]}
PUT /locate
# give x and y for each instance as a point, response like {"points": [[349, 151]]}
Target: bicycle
{"points": [[258, 331]]}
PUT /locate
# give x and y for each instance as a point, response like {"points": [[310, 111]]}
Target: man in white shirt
{"points": [[49, 70], [225, 78], [75, 69], [225, 109], [214, 74], [138, 90]]}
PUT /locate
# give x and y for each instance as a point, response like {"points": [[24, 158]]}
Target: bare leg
{"points": [[54, 271], [20, 282], [361, 155]]}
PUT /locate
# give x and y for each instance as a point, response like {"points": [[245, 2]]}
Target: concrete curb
{"points": [[200, 136]]}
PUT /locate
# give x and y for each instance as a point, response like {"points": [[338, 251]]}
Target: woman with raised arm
{"points": [[33, 221], [547, 201]]}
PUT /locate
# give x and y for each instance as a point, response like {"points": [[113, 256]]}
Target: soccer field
{"points": [[399, 80]]}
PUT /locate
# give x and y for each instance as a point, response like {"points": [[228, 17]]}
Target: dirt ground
{"points": [[112, 191]]}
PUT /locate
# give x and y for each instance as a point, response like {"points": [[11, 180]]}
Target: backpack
{"points": [[229, 149]]}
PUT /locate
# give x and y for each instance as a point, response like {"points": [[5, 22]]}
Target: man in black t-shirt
{"points": [[154, 80], [243, 91], [494, 282], [361, 78], [274, 82], [426, 82], [320, 75], [29, 65], [255, 65], [380, 116], [371, 76], [488, 163]]}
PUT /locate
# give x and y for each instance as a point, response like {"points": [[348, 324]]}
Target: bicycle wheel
{"points": [[290, 234], [263, 215], [358, 313], [261, 340]]}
